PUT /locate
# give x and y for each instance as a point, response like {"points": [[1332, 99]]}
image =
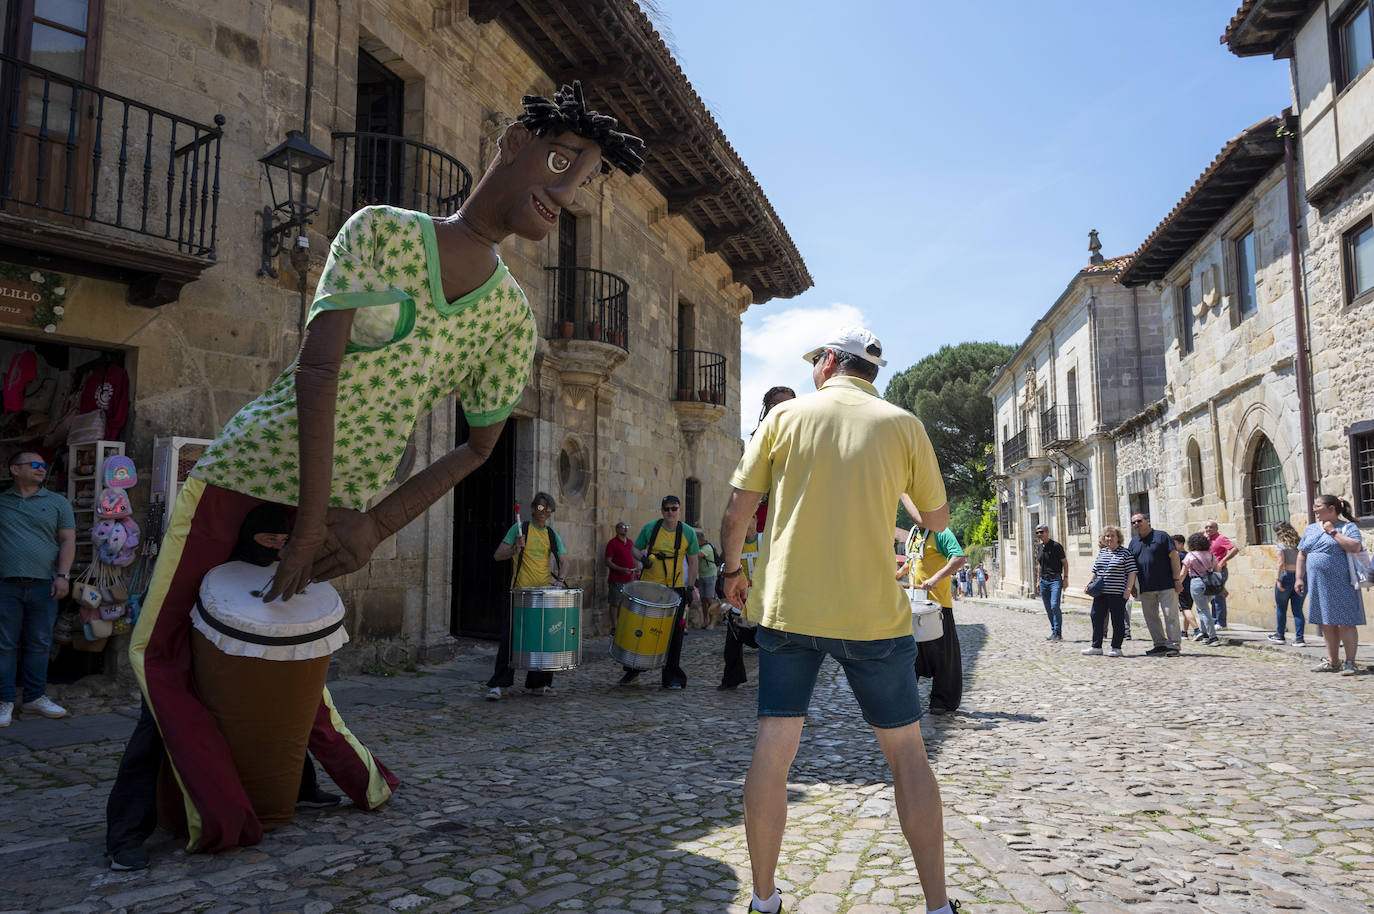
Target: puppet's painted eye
{"points": [[558, 162]]}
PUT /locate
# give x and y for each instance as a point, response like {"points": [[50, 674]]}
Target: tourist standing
{"points": [[1223, 550], [1324, 572], [1198, 563], [1286, 597], [1159, 583], [837, 462], [1053, 564], [620, 569], [1117, 568]]}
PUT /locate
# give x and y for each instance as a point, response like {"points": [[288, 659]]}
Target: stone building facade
{"points": [[1093, 359], [1225, 440], [638, 294]]}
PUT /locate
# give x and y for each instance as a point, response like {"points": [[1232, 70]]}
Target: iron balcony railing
{"points": [[700, 376], [1015, 449], [378, 168], [1058, 425], [589, 304], [79, 155]]}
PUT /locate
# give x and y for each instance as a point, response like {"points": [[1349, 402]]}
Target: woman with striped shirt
{"points": [[1117, 567]]}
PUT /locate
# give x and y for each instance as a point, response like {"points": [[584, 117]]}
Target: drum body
{"points": [[926, 622], [545, 628], [645, 625], [260, 670]]}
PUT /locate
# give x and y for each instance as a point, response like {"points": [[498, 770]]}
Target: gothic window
{"points": [[1268, 492], [1194, 469]]}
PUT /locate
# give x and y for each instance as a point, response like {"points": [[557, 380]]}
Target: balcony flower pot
{"points": [[705, 395], [618, 338], [594, 331], [684, 393], [565, 329], [719, 397]]}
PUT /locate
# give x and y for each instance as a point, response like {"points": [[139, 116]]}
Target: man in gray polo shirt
{"points": [[38, 533]]}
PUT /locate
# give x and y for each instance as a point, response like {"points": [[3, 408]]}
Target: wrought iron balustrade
{"points": [[700, 376], [1015, 449], [379, 168], [80, 156], [1058, 426], [589, 304]]}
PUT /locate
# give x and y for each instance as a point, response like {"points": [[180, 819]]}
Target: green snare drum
{"points": [[545, 628]]}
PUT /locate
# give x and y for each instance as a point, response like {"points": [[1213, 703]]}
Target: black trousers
{"points": [[672, 664], [735, 673], [131, 810], [1111, 605], [503, 675], [941, 662]]}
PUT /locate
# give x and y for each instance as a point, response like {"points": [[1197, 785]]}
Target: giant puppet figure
{"points": [[408, 312]]}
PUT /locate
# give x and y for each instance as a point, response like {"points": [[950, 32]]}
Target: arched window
{"points": [[1194, 469], [1268, 492]]}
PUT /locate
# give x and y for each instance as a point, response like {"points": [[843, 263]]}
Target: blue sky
{"points": [[939, 165]]}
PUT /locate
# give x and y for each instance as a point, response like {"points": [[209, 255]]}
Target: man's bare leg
{"points": [[765, 796], [918, 807]]}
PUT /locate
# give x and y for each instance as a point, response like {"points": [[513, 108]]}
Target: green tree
{"points": [[945, 391]]}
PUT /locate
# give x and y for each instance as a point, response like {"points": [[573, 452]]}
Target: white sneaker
{"points": [[1114, 652], [6, 713], [494, 693], [1092, 651], [44, 706], [542, 690]]}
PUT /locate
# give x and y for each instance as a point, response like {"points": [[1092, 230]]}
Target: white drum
{"points": [[926, 622], [233, 619]]}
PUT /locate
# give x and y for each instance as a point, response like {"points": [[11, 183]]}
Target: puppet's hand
{"points": [[350, 539], [293, 570]]}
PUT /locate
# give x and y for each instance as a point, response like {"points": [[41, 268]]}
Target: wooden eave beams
{"points": [[683, 196], [1269, 28]]}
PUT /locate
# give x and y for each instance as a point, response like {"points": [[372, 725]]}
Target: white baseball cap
{"points": [[853, 340]]}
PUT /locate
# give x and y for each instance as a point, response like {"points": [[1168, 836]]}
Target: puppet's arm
{"points": [[317, 392], [353, 535]]}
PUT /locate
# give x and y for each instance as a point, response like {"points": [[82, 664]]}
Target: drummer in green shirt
{"points": [[531, 544]]}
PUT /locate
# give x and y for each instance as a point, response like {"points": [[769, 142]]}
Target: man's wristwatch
{"points": [[60, 574], [733, 574]]}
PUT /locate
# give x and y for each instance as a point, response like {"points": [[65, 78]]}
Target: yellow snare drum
{"points": [[645, 625]]}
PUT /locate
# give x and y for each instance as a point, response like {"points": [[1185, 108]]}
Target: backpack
{"points": [[525, 534], [707, 555], [677, 546]]}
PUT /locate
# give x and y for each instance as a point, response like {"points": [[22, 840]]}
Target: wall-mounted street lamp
{"points": [[291, 168]]}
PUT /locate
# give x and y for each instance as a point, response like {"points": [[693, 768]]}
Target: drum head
{"points": [[650, 594], [306, 626]]}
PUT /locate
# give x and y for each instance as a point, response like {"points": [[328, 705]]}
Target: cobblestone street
{"points": [[1228, 779]]}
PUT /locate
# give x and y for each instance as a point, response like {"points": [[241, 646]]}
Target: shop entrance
{"points": [[482, 513], [41, 384]]}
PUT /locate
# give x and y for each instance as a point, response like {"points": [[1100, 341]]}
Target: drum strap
{"points": [[677, 546], [254, 638]]}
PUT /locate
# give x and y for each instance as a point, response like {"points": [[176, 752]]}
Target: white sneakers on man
{"points": [[44, 706], [6, 713]]}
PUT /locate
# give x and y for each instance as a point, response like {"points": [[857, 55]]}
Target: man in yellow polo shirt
{"points": [[836, 463]]}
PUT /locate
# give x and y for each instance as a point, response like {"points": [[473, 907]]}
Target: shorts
{"points": [[881, 674]]}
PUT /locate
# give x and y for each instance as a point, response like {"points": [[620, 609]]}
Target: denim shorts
{"points": [[882, 675]]}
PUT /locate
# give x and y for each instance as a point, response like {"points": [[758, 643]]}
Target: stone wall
{"points": [[194, 362]]}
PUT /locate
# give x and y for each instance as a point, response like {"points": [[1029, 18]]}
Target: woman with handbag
{"points": [[1200, 567], [1114, 574], [1325, 574]]}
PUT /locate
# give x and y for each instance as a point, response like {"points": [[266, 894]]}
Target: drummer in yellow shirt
{"points": [[532, 549], [933, 559], [670, 554]]}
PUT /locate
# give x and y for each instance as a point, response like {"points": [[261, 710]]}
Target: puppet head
{"points": [[553, 149]]}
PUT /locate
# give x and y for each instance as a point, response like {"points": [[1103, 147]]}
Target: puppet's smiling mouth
{"points": [[543, 210]]}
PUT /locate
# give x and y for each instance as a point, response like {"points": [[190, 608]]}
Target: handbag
{"points": [[1096, 587], [1361, 569], [1213, 583]]}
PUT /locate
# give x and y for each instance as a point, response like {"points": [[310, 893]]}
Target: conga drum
{"points": [[545, 628], [260, 670], [645, 625]]}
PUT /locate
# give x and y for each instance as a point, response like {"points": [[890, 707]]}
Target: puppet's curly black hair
{"points": [[568, 112]]}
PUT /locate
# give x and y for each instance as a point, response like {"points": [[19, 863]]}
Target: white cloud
{"points": [[771, 345]]}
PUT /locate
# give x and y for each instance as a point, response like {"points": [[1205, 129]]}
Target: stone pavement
{"points": [[1225, 780]]}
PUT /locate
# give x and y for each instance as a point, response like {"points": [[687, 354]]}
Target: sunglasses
{"points": [[671, 507], [1136, 523], [34, 464]]}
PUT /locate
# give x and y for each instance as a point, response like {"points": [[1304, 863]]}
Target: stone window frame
{"points": [[1260, 529], [1340, 79], [1231, 253], [1196, 477], [1076, 507], [1006, 518], [1353, 297], [691, 502], [1360, 436], [1185, 320]]}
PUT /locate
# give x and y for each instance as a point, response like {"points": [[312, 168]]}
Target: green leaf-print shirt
{"points": [[408, 350]]}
